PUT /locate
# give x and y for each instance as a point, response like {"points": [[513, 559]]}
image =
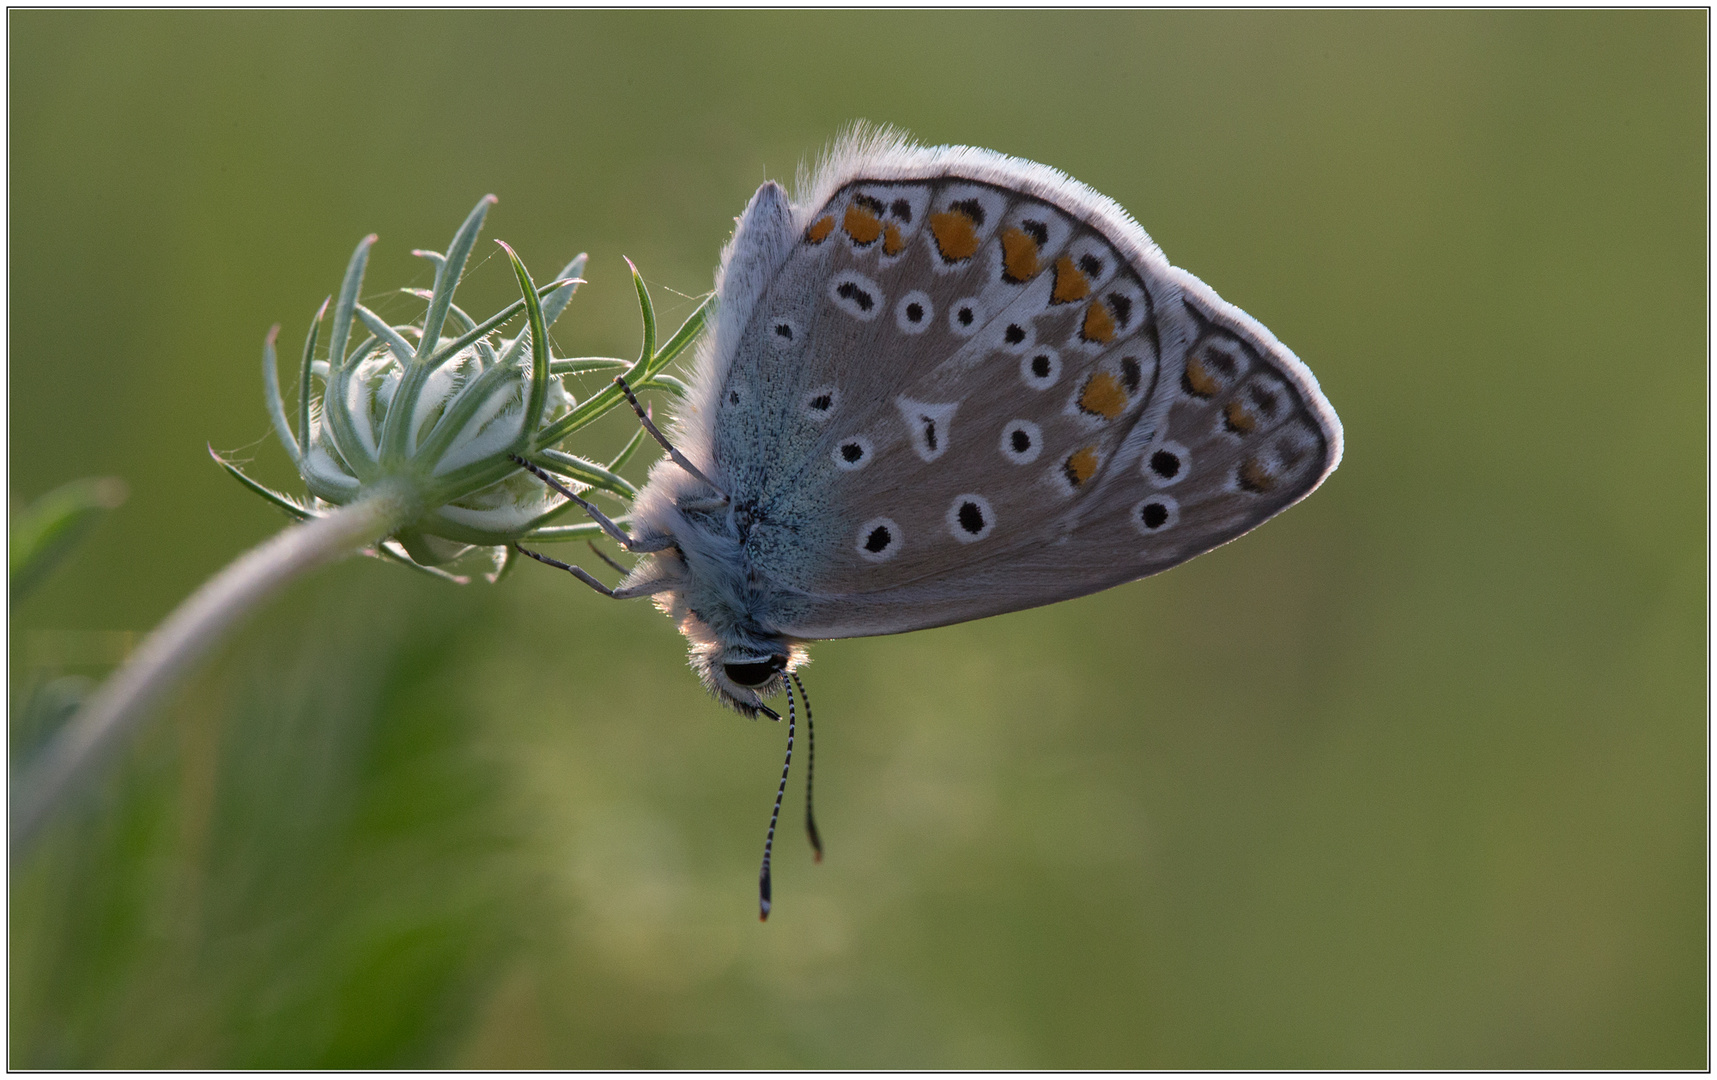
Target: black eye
{"points": [[756, 672]]}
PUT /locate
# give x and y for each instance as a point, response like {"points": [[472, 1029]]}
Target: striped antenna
{"points": [[810, 770], [769, 841]]}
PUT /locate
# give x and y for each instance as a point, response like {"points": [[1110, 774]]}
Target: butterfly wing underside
{"points": [[971, 385]]}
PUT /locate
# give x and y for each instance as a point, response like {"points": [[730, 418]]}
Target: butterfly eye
{"points": [[755, 672]]}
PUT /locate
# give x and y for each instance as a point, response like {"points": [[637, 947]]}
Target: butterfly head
{"points": [[740, 666], [741, 675]]}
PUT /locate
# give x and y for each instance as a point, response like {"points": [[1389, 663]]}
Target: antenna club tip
{"points": [[817, 856]]}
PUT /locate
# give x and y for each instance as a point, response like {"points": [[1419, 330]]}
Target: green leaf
{"points": [[379, 326], [390, 551], [609, 396], [282, 501], [447, 275], [454, 311], [685, 335], [271, 394], [304, 378], [53, 525], [504, 562], [340, 425], [585, 472], [668, 383], [454, 418], [648, 311], [349, 287], [539, 350], [555, 302], [552, 534], [585, 364], [485, 326]]}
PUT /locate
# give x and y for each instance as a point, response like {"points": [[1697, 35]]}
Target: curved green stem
{"points": [[119, 705]]}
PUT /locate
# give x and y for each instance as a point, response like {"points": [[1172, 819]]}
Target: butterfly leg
{"points": [[658, 543], [655, 433], [619, 594], [603, 555]]}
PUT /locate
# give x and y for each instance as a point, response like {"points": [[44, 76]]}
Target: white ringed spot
{"points": [[1166, 463], [915, 312], [1040, 368], [965, 317], [1022, 441], [1156, 514], [879, 540], [852, 453], [970, 518]]}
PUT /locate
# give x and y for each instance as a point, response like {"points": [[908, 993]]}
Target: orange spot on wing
{"points": [[1238, 420], [1197, 378], [1070, 282], [1253, 476], [1019, 256], [820, 229], [1099, 325], [862, 225], [956, 235], [892, 242], [1080, 465], [1103, 396]]}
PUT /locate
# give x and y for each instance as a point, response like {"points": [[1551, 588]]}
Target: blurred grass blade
{"points": [[628, 450], [53, 525]]}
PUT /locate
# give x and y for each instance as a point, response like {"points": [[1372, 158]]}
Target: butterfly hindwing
{"points": [[973, 386]]}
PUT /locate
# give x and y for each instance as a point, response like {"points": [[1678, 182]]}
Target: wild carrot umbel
{"points": [[408, 443]]}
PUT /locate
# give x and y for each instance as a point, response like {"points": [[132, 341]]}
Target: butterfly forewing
{"points": [[955, 400]]}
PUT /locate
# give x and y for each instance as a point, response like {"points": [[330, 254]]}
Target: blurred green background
{"points": [[1413, 777]]}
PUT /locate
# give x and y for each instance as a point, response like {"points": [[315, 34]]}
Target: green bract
{"points": [[412, 412]]}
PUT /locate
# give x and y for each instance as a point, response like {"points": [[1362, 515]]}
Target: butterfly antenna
{"points": [[769, 842], [810, 772]]}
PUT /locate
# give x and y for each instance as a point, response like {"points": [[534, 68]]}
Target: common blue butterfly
{"points": [[944, 384]]}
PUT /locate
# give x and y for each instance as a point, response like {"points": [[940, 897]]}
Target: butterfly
{"points": [[943, 384]]}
